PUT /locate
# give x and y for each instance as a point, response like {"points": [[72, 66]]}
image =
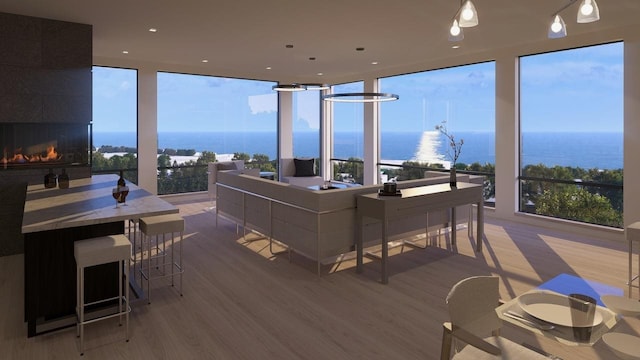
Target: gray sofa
{"points": [[319, 224], [234, 165]]}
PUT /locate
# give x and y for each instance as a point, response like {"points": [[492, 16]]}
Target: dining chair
{"points": [[474, 327]]}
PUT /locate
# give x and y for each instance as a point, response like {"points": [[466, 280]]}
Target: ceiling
{"points": [[244, 37]]}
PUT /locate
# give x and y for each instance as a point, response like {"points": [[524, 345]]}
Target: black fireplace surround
{"points": [[44, 145]]}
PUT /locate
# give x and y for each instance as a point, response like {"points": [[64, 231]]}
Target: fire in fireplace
{"points": [[44, 144]]}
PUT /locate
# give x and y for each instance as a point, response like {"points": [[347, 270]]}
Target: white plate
{"points": [[555, 309], [621, 305], [623, 345]]}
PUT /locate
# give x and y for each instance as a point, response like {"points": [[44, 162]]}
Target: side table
{"points": [[632, 233]]}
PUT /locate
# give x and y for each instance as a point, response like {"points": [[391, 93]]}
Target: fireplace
{"points": [[44, 145]]}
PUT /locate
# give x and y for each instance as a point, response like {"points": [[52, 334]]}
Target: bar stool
{"points": [[98, 251], [632, 233], [132, 234], [151, 228]]}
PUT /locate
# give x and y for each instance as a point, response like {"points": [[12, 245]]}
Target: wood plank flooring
{"points": [[240, 302]]}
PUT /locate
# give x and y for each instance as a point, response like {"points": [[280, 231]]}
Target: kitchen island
{"points": [[53, 219]]}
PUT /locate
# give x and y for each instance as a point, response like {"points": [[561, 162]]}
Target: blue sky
{"points": [[575, 90]]}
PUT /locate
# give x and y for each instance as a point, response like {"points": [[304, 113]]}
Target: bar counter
{"points": [[53, 219], [87, 202]]}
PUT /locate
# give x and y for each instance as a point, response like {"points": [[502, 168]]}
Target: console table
{"points": [[55, 218], [415, 201]]}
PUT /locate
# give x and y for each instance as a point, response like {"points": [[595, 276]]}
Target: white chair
{"points": [[474, 327]]}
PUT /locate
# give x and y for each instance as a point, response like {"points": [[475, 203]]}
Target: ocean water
{"points": [[579, 149]]}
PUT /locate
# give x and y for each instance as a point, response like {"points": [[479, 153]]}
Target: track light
{"points": [[588, 12], [455, 32], [558, 28], [468, 14]]}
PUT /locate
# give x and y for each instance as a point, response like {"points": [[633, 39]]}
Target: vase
{"points": [[452, 177], [50, 180], [63, 180]]}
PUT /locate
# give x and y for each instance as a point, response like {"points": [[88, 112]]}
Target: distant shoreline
{"points": [[586, 150]]}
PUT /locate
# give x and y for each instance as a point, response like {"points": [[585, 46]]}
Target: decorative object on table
{"points": [[453, 151], [389, 189], [121, 191], [63, 180], [50, 180]]}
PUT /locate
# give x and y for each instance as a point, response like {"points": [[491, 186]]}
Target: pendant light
{"points": [[468, 15], [557, 29], [588, 12]]}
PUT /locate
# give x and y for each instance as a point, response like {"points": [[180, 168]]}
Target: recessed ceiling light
{"points": [[205, 60], [455, 47], [153, 30], [319, 74], [268, 68], [374, 63], [125, 52]]}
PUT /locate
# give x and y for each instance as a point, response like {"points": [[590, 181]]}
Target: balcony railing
{"points": [[577, 200]]}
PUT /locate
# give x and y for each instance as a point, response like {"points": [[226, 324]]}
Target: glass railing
{"points": [[577, 200]]}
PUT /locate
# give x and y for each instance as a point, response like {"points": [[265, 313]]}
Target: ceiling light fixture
{"points": [[316, 86], [587, 12], [455, 32], [468, 15], [153, 30], [360, 97], [289, 87], [557, 29]]}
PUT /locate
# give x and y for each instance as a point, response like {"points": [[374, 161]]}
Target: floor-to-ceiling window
{"points": [[207, 118], [306, 124], [571, 113], [459, 99], [348, 136], [115, 121]]}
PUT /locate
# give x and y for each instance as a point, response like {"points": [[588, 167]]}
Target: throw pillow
{"points": [[305, 167]]}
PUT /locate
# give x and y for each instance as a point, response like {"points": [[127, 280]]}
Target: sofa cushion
{"points": [[305, 167]]}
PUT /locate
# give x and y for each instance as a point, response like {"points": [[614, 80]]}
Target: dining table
{"points": [[555, 320]]}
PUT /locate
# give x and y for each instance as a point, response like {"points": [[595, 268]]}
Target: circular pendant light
{"points": [[360, 97]]}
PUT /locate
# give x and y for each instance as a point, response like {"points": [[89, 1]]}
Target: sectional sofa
{"points": [[318, 224]]}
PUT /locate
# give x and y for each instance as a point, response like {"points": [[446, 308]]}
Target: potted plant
{"points": [[453, 150]]}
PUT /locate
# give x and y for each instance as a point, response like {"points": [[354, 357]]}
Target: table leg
{"points": [[359, 241], [453, 226], [385, 253], [480, 226], [630, 282]]}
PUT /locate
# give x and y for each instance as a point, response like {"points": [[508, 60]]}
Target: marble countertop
{"points": [[87, 201]]}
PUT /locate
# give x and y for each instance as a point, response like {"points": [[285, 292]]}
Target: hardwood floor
{"points": [[240, 302]]}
